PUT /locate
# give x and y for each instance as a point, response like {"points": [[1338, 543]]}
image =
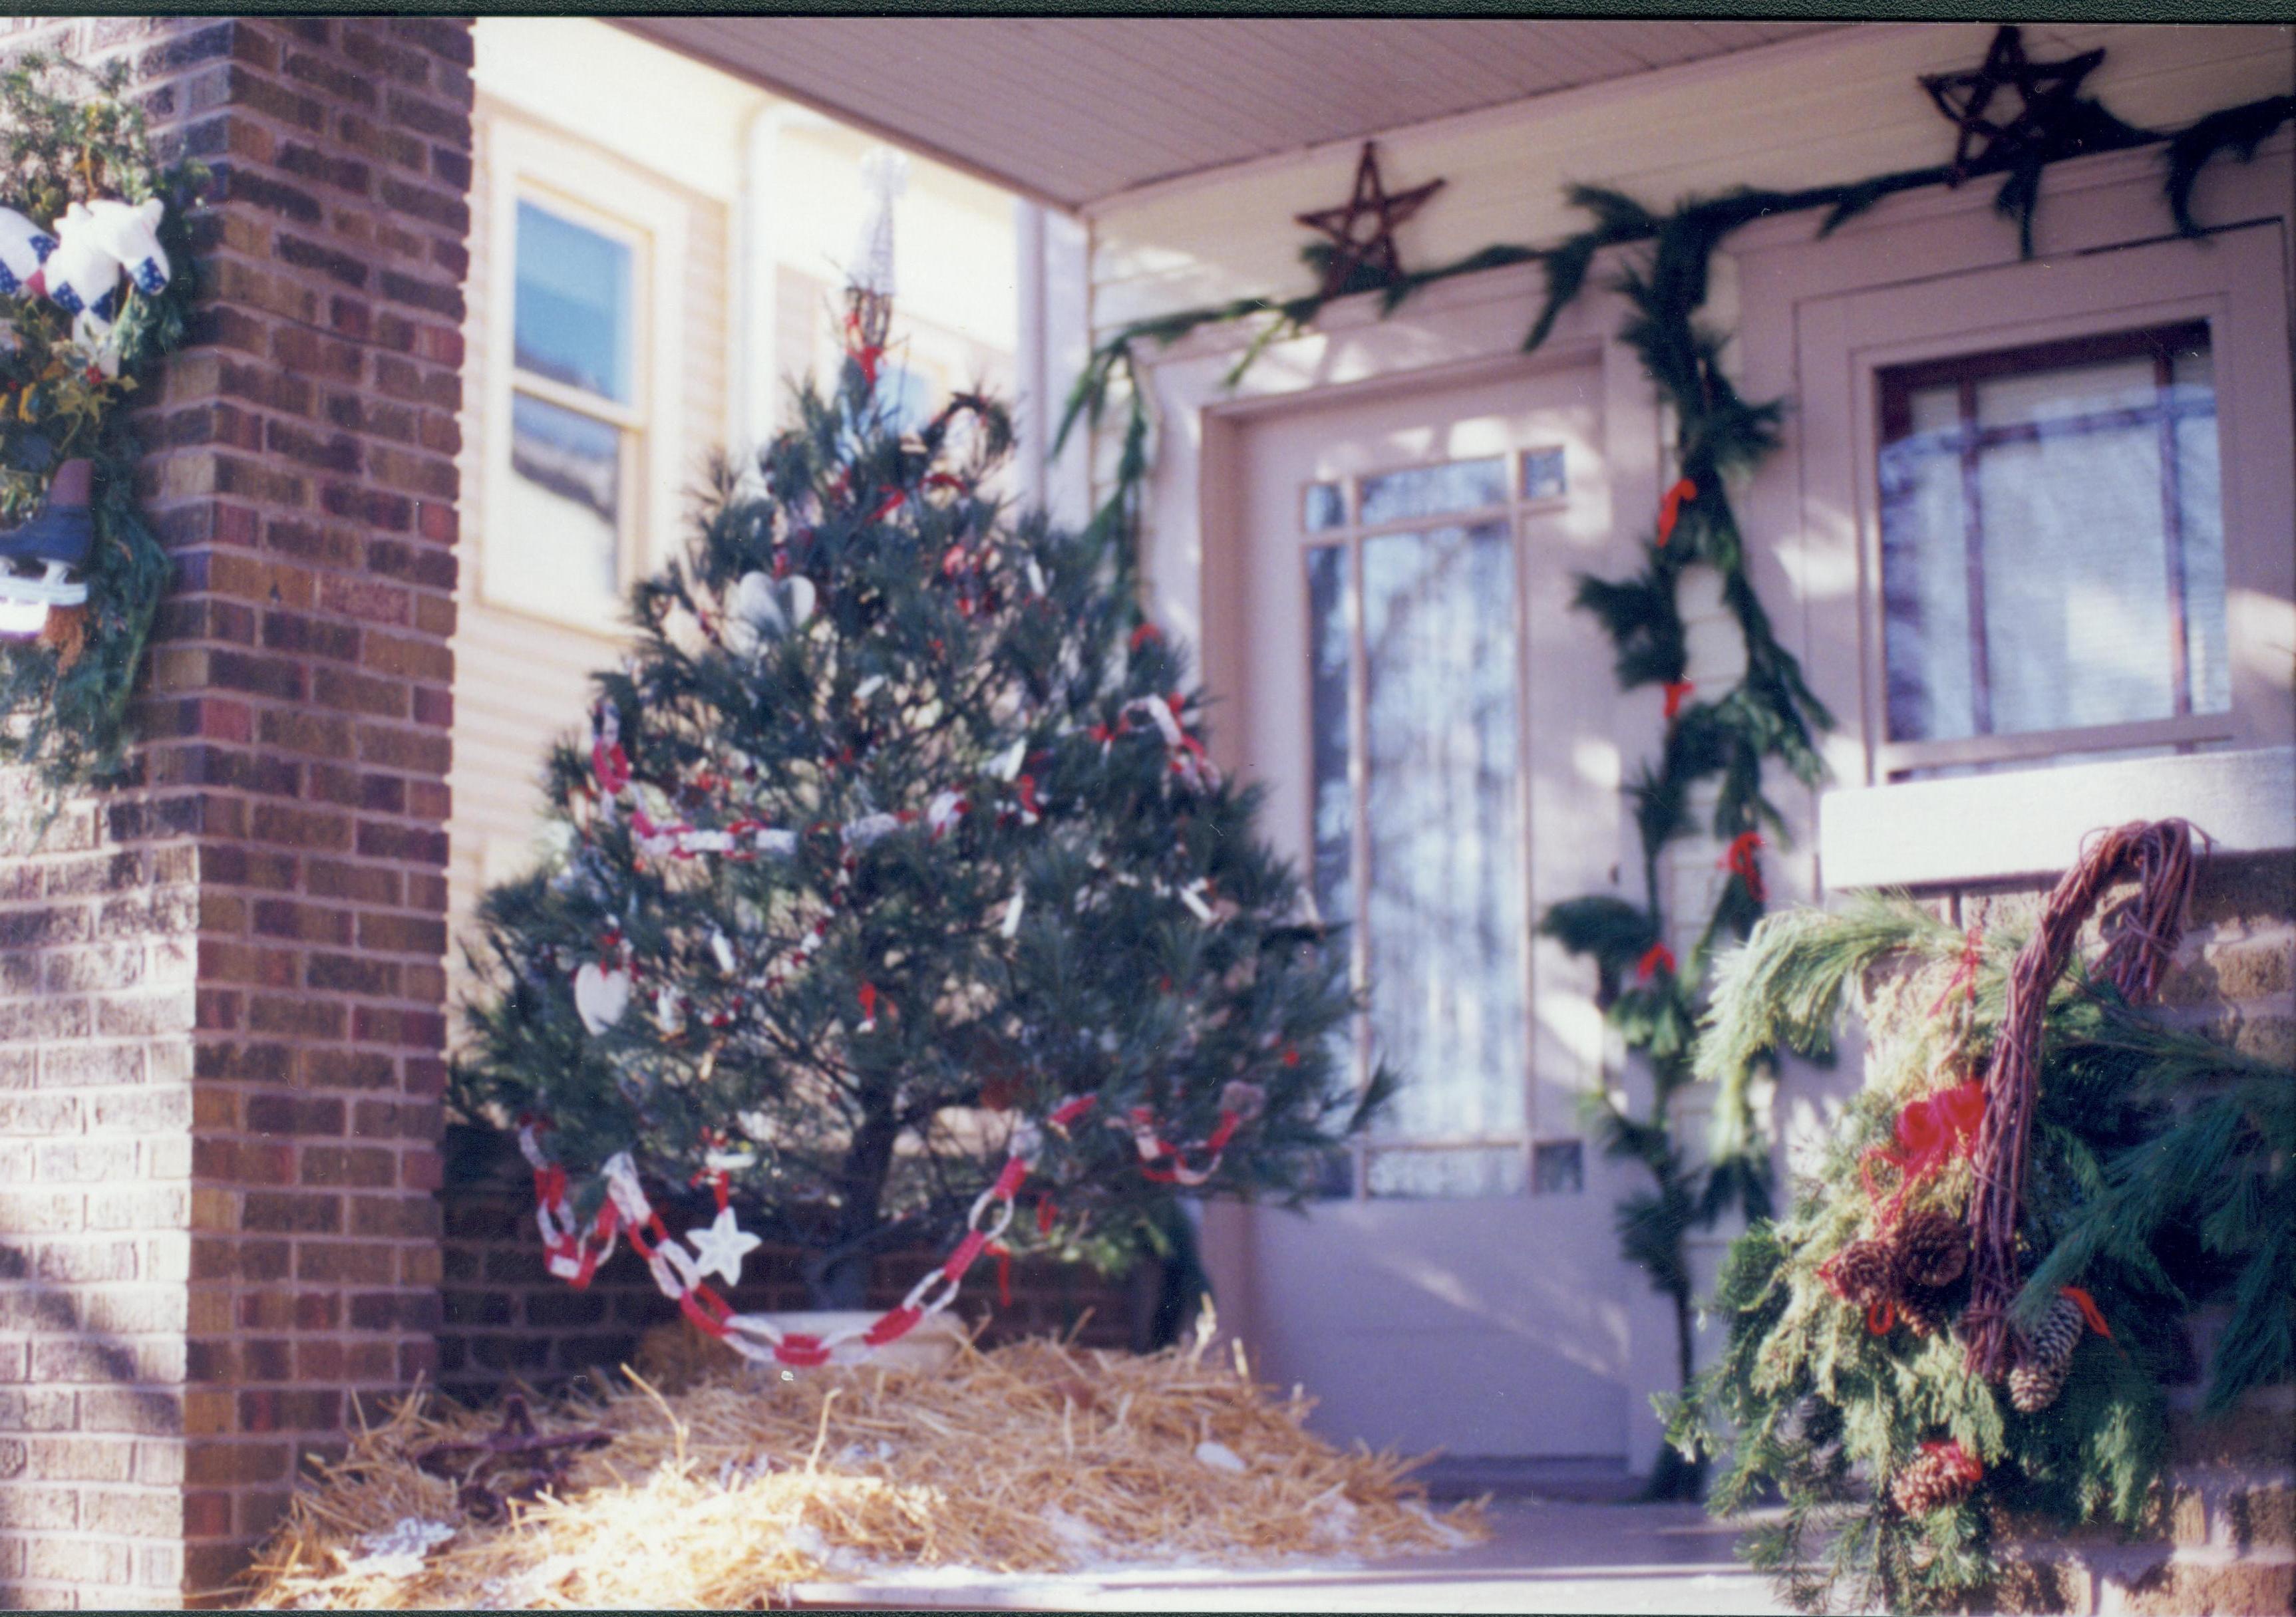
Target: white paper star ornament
{"points": [[720, 1248]]}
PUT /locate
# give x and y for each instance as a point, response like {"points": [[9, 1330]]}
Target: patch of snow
{"points": [[399, 1551]]}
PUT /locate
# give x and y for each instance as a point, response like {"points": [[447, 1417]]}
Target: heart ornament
{"points": [[601, 996], [762, 609]]}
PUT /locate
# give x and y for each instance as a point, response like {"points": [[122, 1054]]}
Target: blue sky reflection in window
{"points": [[573, 322], [905, 396]]}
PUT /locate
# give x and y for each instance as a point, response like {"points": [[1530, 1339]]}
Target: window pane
{"points": [[906, 397], [563, 516], [1327, 700], [1326, 508], [573, 322], [1431, 491], [1479, 1170], [1542, 475], [2051, 548], [1558, 1167], [1444, 916]]}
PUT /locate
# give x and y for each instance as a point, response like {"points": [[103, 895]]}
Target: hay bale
{"points": [[1038, 1458]]}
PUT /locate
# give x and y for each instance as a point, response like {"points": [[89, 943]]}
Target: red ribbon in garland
{"points": [[2089, 1310], [1966, 1467], [1655, 959], [1677, 692], [1744, 861], [1964, 974], [1670, 509]]}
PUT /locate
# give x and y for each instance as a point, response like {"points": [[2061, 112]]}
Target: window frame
{"points": [[1966, 371], [605, 195], [1517, 510], [1938, 273]]}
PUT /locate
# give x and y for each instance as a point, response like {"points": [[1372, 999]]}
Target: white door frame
{"points": [[1455, 332]]}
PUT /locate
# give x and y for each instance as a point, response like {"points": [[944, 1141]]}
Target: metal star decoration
{"points": [[1351, 251], [2046, 92]]}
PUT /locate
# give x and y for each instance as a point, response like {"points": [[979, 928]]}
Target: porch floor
{"points": [[1542, 1556]]}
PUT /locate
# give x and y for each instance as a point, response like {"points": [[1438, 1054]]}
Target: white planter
{"points": [[931, 1342]]}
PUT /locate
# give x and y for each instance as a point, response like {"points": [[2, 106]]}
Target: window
{"points": [[566, 533], [581, 428], [1417, 804], [2051, 537], [2043, 507]]}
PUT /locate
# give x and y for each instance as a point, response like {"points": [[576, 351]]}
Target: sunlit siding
{"points": [[520, 678], [1835, 106]]}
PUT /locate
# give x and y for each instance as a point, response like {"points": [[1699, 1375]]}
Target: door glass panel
{"points": [[572, 308], [1329, 745], [564, 511], [1432, 491], [1326, 508], [1444, 911], [2051, 540], [1542, 475]]}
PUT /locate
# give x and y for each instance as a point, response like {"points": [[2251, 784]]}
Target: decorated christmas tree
{"points": [[894, 891]]}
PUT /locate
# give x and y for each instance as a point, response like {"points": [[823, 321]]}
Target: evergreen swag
{"points": [[895, 831], [1770, 716], [2162, 1174], [70, 134]]}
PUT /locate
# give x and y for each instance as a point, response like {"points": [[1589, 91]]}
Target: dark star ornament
{"points": [[1355, 261], [2052, 120]]}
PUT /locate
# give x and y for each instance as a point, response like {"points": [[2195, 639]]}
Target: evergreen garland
{"points": [[71, 134], [2163, 1174], [1769, 716]]}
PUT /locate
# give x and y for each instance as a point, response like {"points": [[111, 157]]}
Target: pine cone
{"points": [[1864, 1273], [1941, 1474], [1931, 1250], [1922, 1310], [2046, 1358]]}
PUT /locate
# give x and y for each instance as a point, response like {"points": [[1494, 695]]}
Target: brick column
{"points": [[221, 992]]}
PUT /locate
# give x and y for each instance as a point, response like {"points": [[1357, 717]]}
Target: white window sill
{"points": [[2031, 822]]}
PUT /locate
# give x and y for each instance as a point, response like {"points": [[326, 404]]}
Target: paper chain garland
{"points": [[574, 1254]]}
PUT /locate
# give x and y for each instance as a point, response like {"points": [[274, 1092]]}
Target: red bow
{"points": [[1742, 861], [1145, 632], [1670, 509], [1677, 692], [611, 765], [1930, 1132], [1656, 959]]}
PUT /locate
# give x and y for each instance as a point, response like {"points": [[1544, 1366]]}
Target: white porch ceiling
{"points": [[1071, 110]]}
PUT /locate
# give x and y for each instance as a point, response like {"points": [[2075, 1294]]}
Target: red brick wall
{"points": [[221, 990]]}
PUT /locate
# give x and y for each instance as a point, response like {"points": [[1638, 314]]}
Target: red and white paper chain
{"points": [[574, 1254]]}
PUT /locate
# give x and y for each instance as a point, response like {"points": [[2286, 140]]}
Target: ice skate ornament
{"points": [[43, 563], [24, 249], [130, 234], [81, 277]]}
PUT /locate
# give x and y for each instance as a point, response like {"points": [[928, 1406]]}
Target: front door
{"points": [[1430, 715]]}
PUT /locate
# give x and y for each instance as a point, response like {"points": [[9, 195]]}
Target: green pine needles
{"points": [[917, 839], [71, 134], [2160, 1180]]}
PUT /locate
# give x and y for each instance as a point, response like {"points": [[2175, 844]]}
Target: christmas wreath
{"points": [[94, 291], [1967, 1318]]}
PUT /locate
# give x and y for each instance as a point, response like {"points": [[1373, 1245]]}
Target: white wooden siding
{"points": [[1835, 106]]}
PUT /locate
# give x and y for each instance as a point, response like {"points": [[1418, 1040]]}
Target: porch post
{"points": [[221, 989]]}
